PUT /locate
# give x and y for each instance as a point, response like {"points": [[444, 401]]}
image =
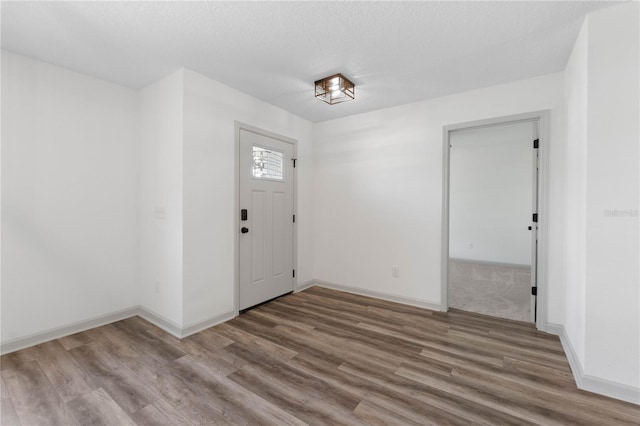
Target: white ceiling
{"points": [[395, 52]]}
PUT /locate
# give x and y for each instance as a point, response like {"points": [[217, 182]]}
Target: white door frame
{"points": [[542, 118], [236, 205]]}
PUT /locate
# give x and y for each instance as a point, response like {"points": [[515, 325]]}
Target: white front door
{"points": [[266, 218]]}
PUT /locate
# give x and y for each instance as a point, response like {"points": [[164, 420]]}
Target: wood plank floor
{"points": [[315, 357]]}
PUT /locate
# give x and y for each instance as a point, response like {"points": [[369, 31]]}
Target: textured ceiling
{"points": [[395, 52]]}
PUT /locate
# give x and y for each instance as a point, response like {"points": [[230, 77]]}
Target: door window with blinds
{"points": [[268, 164]]}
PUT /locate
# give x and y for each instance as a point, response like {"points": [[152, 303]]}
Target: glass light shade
{"points": [[335, 89]]}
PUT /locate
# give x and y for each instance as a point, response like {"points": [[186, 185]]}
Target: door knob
{"points": [[244, 230]]}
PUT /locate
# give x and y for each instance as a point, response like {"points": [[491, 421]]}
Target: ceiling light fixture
{"points": [[335, 89]]}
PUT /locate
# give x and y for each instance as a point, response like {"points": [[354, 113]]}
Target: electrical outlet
{"points": [[469, 246], [157, 287], [395, 271]]}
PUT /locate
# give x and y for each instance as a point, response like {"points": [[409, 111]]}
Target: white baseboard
{"points": [[58, 332], [379, 295], [166, 324], [491, 263], [591, 383], [210, 322], [555, 329], [303, 286]]}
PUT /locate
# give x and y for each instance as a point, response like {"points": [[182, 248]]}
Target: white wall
{"points": [[612, 342], [69, 226], [161, 197], [210, 209], [602, 167], [187, 171], [378, 189], [113, 198], [576, 195], [491, 192]]}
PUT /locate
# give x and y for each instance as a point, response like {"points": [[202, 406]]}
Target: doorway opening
{"points": [[492, 213]]}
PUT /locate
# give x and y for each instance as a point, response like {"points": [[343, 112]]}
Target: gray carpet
{"points": [[498, 290]]}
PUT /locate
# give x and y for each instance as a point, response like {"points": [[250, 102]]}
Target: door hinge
{"points": [[535, 218], [294, 218], [536, 143], [534, 291], [294, 162], [294, 273]]}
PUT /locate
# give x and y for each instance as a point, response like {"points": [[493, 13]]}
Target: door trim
{"points": [[542, 118], [236, 205]]}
